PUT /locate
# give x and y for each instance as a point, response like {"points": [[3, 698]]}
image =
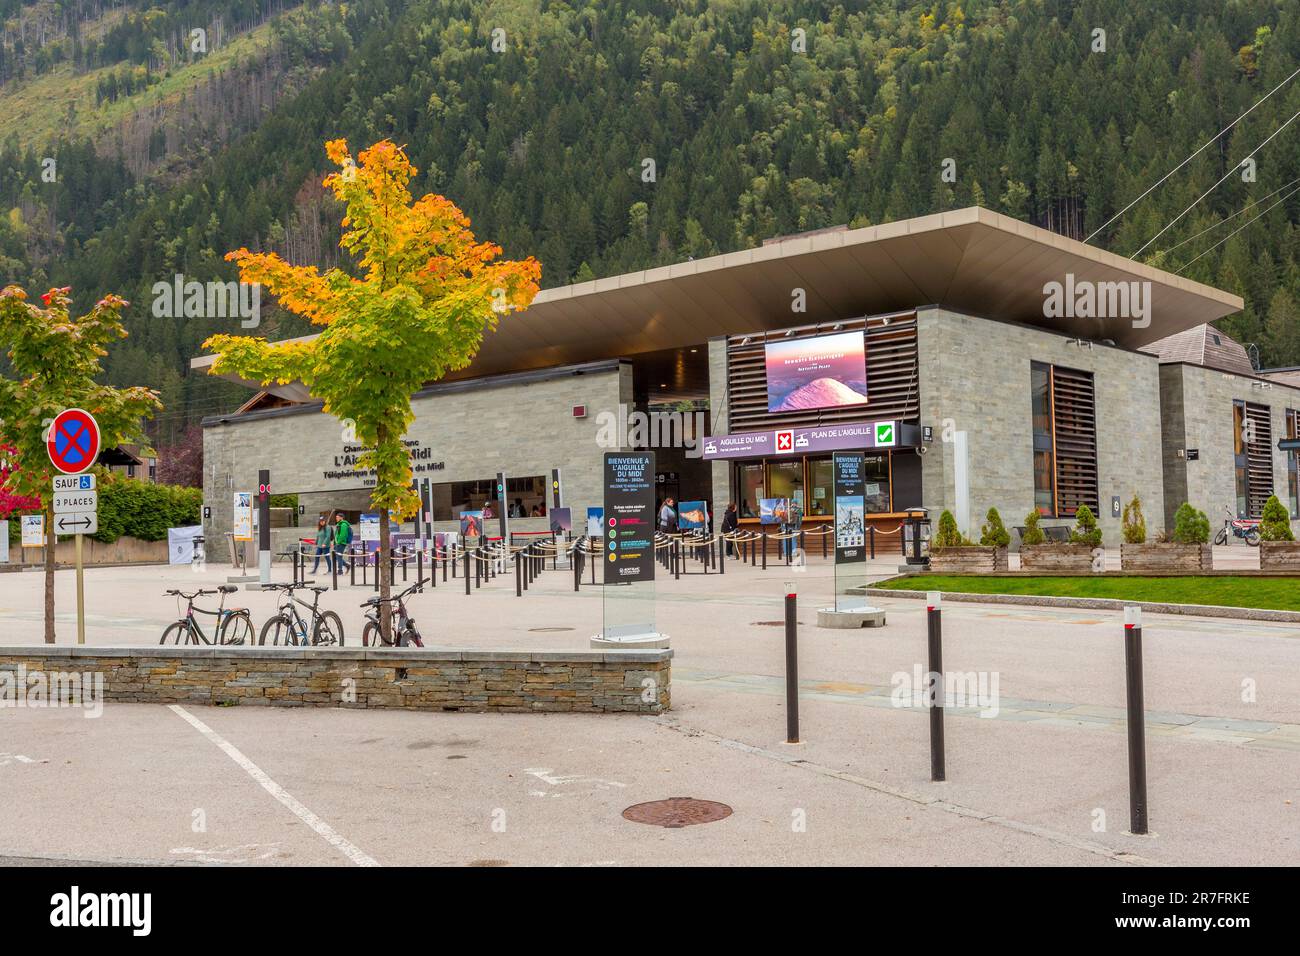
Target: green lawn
{"points": [[1282, 594]]}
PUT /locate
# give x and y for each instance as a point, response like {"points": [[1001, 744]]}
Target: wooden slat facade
{"points": [[1259, 458], [1074, 421], [893, 388]]}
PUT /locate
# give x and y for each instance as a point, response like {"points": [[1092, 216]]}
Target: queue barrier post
{"points": [[468, 583], [791, 664], [872, 535]]}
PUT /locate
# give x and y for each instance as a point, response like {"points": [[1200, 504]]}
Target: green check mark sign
{"points": [[884, 433]]}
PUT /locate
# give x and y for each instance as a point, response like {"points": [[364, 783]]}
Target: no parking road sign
{"points": [[73, 441]]}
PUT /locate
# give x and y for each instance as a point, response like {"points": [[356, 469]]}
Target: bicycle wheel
{"points": [[280, 631], [328, 630], [176, 633], [1221, 538], [410, 636], [236, 629], [1252, 537], [372, 636]]}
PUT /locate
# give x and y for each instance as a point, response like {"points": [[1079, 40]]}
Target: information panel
{"points": [[850, 508], [629, 516]]}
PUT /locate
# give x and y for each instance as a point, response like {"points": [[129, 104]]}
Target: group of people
{"points": [[333, 535], [731, 522]]}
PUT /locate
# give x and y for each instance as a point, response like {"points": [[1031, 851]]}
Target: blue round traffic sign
{"points": [[73, 441]]}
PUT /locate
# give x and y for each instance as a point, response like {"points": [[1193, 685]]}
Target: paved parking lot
{"points": [[1041, 781]]}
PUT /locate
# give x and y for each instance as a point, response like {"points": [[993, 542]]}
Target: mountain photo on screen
{"points": [[828, 371]]}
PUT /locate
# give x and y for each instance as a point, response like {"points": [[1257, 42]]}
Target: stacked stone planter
{"points": [[969, 559], [1279, 555], [1056, 557], [1158, 558]]}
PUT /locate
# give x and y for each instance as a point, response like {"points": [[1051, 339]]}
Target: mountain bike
{"points": [[403, 625], [289, 628], [233, 625]]}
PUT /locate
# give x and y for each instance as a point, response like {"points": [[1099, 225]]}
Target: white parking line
{"points": [[352, 852]]}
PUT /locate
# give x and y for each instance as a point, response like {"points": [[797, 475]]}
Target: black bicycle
{"points": [[289, 628], [233, 625], [403, 625]]}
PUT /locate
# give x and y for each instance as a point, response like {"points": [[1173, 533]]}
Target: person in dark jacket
{"points": [[730, 524]]}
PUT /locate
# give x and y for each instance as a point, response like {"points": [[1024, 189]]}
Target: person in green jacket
{"points": [[323, 545], [342, 538]]}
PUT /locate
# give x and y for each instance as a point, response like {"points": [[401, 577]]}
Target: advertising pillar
{"points": [[264, 526]]}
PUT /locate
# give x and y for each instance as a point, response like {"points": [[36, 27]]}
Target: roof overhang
{"points": [[971, 260]]}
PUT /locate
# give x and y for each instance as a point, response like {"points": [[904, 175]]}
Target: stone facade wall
{"points": [[976, 373], [1202, 419], [437, 680], [524, 426]]}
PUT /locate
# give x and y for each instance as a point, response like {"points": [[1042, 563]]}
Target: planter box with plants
{"points": [[1189, 549], [1278, 549], [952, 552], [1039, 554]]}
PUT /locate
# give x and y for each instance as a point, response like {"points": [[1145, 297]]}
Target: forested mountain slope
{"points": [[762, 117]]}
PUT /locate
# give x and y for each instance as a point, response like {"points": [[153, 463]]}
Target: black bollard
{"points": [[1137, 744], [468, 582], [872, 535], [576, 558], [764, 551], [722, 556], [334, 570], [519, 577], [935, 698], [791, 664]]}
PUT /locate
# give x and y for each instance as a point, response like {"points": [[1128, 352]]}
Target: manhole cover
{"points": [[547, 630], [677, 812]]}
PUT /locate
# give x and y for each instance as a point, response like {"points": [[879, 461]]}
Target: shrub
{"points": [[947, 536], [1085, 529], [1033, 534], [1275, 521], [1190, 525], [1135, 525], [994, 534], [139, 509]]}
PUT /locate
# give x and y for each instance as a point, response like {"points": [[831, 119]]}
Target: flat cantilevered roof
{"points": [[971, 260]]}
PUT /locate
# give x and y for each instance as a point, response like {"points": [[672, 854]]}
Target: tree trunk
{"points": [[385, 585], [51, 542]]}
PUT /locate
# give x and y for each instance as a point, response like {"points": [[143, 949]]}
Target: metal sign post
{"points": [[264, 526], [73, 446]]}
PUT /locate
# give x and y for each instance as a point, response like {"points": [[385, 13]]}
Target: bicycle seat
{"points": [[319, 590], [227, 588], [369, 602]]}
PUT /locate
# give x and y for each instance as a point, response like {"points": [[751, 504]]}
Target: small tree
{"points": [[1275, 521], [1085, 529], [947, 536], [994, 534], [1032, 533], [1190, 525], [1135, 525], [427, 294], [55, 360]]}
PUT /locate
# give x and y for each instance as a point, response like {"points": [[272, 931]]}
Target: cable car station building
{"points": [[977, 362]]}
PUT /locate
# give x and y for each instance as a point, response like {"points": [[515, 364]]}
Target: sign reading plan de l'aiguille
{"points": [[629, 518]]}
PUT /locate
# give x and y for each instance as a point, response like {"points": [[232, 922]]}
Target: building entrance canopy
{"points": [[798, 441]]}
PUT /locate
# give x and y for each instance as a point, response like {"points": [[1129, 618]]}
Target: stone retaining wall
{"points": [[634, 681]]}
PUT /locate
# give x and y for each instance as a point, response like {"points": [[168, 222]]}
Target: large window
{"points": [[1252, 456], [811, 482], [1064, 420]]}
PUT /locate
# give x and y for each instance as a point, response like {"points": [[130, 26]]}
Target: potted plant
{"points": [[1185, 551], [951, 551], [1278, 549], [1038, 554]]}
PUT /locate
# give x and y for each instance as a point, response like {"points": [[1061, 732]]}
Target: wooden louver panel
{"points": [[1258, 442], [1074, 414], [892, 384]]}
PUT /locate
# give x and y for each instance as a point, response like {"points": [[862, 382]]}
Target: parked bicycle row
{"points": [[296, 623]]}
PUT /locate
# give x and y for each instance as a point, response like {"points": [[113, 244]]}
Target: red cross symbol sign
{"points": [[785, 441], [73, 441]]}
